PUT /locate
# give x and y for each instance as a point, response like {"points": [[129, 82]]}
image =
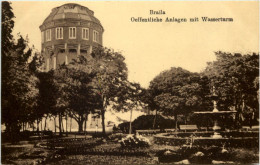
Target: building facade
{"points": [[70, 30]]}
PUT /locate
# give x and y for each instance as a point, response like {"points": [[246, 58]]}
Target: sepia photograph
{"points": [[129, 82]]}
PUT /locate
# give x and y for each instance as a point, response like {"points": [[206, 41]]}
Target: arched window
{"points": [[42, 36], [72, 33], [95, 36], [59, 33], [85, 33], [48, 35]]}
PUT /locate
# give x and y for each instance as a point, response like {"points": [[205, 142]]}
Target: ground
{"points": [[104, 152]]}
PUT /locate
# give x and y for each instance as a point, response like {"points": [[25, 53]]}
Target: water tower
{"points": [[69, 30]]}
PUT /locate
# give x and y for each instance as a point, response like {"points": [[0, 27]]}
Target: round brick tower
{"points": [[70, 30]]}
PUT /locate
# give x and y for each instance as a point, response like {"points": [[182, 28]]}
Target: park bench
{"points": [[148, 132], [188, 128], [169, 130], [205, 128], [253, 128]]}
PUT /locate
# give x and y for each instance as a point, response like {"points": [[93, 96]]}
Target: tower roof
{"points": [[71, 11]]}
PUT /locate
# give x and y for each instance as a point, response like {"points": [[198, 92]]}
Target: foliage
{"points": [[182, 89], [110, 80], [7, 28], [235, 77], [124, 127], [19, 86], [177, 91], [75, 91], [47, 94], [244, 155], [131, 141], [90, 84], [146, 122], [18, 97], [19, 82]]}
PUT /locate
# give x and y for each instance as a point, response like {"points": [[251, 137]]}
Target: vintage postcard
{"points": [[129, 82]]}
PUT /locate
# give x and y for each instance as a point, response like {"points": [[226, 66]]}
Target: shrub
{"points": [[145, 122], [244, 155], [124, 127], [132, 141]]}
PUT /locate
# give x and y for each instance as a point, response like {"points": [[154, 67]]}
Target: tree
{"points": [[75, 91], [7, 28], [47, 96], [177, 91], [134, 93], [234, 76], [110, 76], [19, 91]]}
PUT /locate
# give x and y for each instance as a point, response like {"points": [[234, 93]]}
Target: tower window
{"points": [[72, 32], [59, 33], [48, 35], [95, 36], [42, 37], [72, 50], [61, 50], [85, 33], [83, 51]]}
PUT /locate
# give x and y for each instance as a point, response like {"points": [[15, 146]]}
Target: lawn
{"points": [[109, 151]]}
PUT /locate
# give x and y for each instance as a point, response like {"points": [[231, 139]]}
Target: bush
{"points": [[145, 122], [244, 155], [116, 136], [132, 141], [124, 127]]}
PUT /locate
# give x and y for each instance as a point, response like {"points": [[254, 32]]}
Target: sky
{"points": [[150, 48]]}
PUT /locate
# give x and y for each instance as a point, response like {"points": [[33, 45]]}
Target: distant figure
{"points": [[96, 128], [114, 128]]}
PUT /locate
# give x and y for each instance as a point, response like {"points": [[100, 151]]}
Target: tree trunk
{"points": [[185, 121], [85, 129], [130, 123], [33, 126], [45, 124], [103, 115], [80, 123], [103, 121], [41, 124], [60, 127], [70, 124], [66, 125], [237, 118], [37, 121], [14, 132], [176, 122], [251, 120], [154, 121], [55, 124]]}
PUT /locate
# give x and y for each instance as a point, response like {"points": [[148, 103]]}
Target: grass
{"points": [[30, 154], [100, 159]]}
